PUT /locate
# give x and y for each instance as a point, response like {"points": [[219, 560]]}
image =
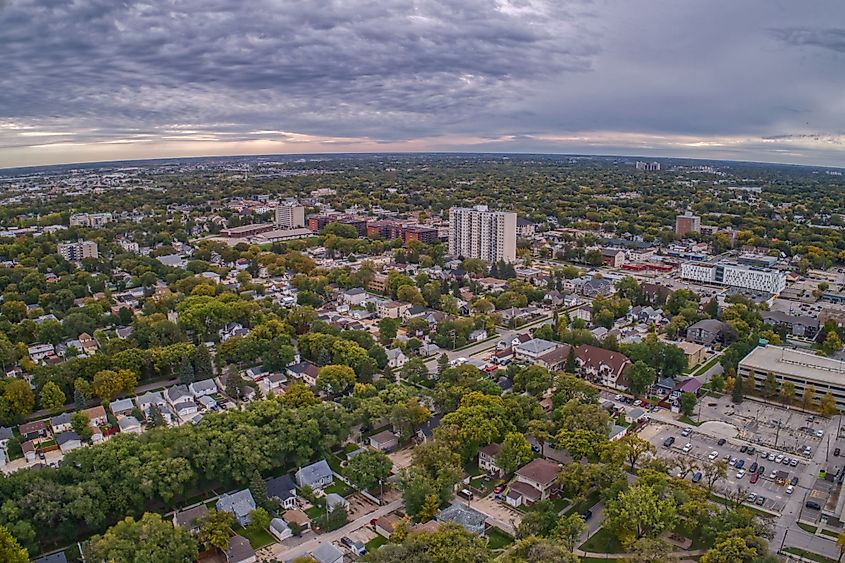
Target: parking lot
{"points": [[701, 447]]}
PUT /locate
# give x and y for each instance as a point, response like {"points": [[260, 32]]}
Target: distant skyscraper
{"points": [[75, 251], [651, 166], [687, 223], [481, 233], [290, 216]]}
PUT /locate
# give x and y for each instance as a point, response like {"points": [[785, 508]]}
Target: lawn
{"points": [[339, 488], [497, 539], [828, 533], [687, 420], [375, 543], [809, 555], [560, 503], [314, 512], [257, 538], [707, 365], [807, 527], [603, 541]]}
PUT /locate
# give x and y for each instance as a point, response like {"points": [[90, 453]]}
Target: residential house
{"points": [[97, 415], [426, 429], [472, 520], [327, 553], [283, 490], [255, 373], [617, 432], [240, 551], [386, 524], [384, 441], [654, 294], [522, 494], [645, 315], [317, 475], [541, 474], [61, 423], [38, 352], [502, 357], [33, 430], [800, 326], [68, 441], [150, 398], [275, 382], [711, 332], [306, 371], [280, 529], [188, 518], [556, 359], [396, 358], [487, 459], [122, 407], [605, 367], [596, 287], [694, 353], [478, 335], [179, 394], [202, 388], [584, 312], [239, 504], [492, 285], [129, 425], [28, 449], [297, 517], [89, 345], [392, 309], [231, 330], [354, 296], [513, 342], [689, 385], [531, 350], [6, 434], [634, 415], [334, 501]]}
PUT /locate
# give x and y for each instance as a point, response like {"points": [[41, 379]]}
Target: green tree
{"points": [[52, 398], [736, 393], [107, 384], [832, 343], [787, 392], [387, 329], [149, 539], [259, 520], [369, 468], [515, 452], [533, 549], [442, 363], [640, 377], [429, 509], [536, 380], [299, 395], [770, 386], [10, 550], [688, 401], [202, 363], [81, 424], [827, 405], [215, 529], [808, 400], [640, 512], [569, 530], [186, 370], [335, 379], [20, 398]]}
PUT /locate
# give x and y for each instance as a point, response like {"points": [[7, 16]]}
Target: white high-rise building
{"points": [[75, 251], [481, 233], [735, 275], [290, 216]]}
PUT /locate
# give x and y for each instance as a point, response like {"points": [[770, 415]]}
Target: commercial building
{"points": [[290, 216], [801, 368], [246, 231], [687, 223], [481, 233], [94, 220], [735, 275], [75, 251]]}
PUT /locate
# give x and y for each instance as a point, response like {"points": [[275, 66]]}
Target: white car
{"points": [[740, 474], [779, 458], [686, 431], [793, 462], [713, 455], [819, 433], [687, 447], [789, 489], [618, 398], [732, 462], [637, 403]]}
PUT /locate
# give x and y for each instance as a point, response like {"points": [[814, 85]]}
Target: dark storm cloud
{"points": [[95, 79]]}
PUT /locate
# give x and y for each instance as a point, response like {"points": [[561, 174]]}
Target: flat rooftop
{"points": [[801, 365]]}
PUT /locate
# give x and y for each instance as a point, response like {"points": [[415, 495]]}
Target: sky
{"points": [[94, 80]]}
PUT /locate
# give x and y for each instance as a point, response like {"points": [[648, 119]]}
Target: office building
{"points": [[687, 223], [735, 275], [481, 233], [75, 251], [93, 220], [649, 166], [290, 216], [801, 368]]}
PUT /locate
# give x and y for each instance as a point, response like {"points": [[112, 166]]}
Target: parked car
{"points": [[732, 461], [761, 469], [753, 467], [740, 464], [696, 477], [760, 500], [755, 477], [793, 462], [751, 450], [721, 442], [751, 498], [836, 452], [812, 505], [743, 449], [779, 458], [586, 515], [713, 455], [686, 431], [669, 441], [498, 489], [819, 433], [687, 447], [465, 494], [740, 474], [786, 461], [794, 481], [638, 403], [789, 489]]}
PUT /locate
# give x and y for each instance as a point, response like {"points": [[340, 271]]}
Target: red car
{"points": [[498, 489], [755, 477]]}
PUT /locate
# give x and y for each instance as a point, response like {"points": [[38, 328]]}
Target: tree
{"points": [[415, 370], [534, 379], [569, 530], [155, 419], [19, 395], [429, 509], [827, 405], [78, 399], [368, 469], [259, 520], [334, 519], [770, 386], [258, 490], [515, 452], [215, 529], [715, 472], [149, 539], [451, 543], [640, 377], [10, 550], [107, 384], [52, 398], [840, 543], [736, 392], [407, 416], [299, 395], [688, 401], [648, 550], [81, 424], [832, 343], [335, 379], [202, 363], [537, 549], [186, 370], [640, 512], [442, 363], [632, 448], [809, 397], [787, 392], [387, 329]]}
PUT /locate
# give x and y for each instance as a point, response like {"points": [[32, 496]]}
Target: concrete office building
{"points": [[687, 223], [94, 220], [481, 233], [735, 275], [290, 216], [650, 166], [75, 251], [801, 368]]}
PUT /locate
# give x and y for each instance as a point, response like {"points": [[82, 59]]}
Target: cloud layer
{"points": [[98, 79]]}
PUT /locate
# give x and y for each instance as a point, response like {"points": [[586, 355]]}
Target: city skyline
{"points": [[88, 83]]}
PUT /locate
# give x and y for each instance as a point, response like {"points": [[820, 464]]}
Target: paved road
{"points": [[284, 553]]}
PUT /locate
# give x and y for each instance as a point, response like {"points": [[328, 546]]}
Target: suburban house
{"points": [[689, 385], [392, 309], [68, 441], [710, 332], [296, 516], [178, 394], [522, 494], [283, 490], [513, 342], [531, 350], [354, 296], [306, 371], [396, 358], [327, 553], [384, 441], [801, 326], [149, 399], [122, 407], [385, 525], [97, 415], [203, 388], [605, 367], [472, 520], [317, 475], [239, 504], [487, 459], [231, 330], [334, 500], [188, 518], [493, 285], [596, 287], [28, 449], [33, 430], [426, 429], [541, 474], [40, 351], [60, 423], [584, 313], [129, 425], [240, 551]]}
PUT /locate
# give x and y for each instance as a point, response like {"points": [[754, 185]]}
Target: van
{"points": [[465, 494], [813, 505]]}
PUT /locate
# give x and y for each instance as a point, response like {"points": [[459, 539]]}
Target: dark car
{"points": [[740, 464], [586, 515], [743, 449], [755, 477], [753, 467], [669, 441], [813, 505], [793, 481], [721, 442], [696, 477], [761, 469], [836, 452], [751, 450], [760, 501]]}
